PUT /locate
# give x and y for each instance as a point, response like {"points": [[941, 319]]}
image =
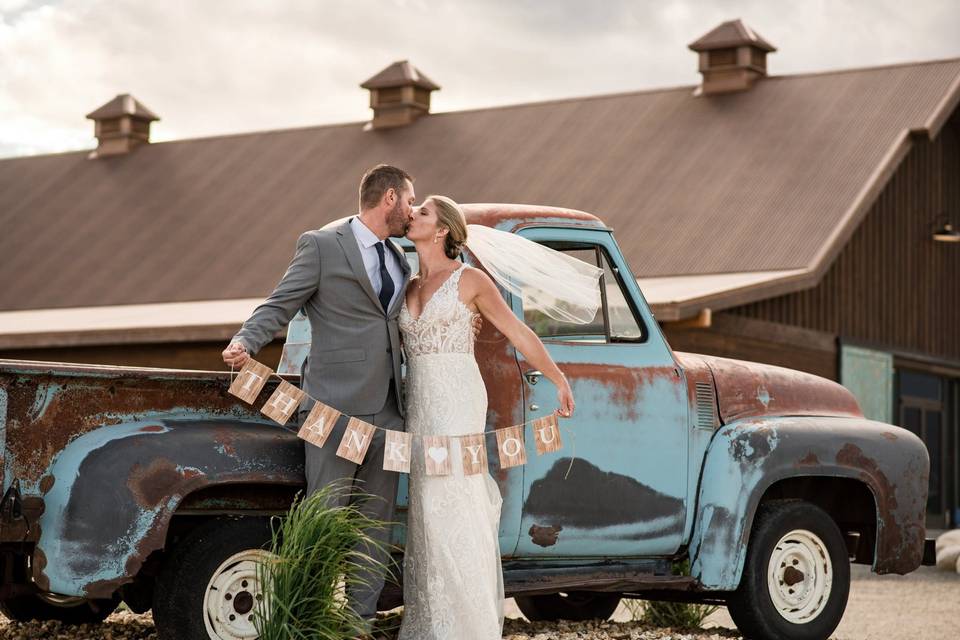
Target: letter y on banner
{"points": [[250, 381]]}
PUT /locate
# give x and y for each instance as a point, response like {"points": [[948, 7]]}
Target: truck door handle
{"points": [[533, 377]]}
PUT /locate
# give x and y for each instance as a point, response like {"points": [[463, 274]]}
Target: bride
{"points": [[453, 584]]}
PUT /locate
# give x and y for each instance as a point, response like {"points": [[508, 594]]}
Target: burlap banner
{"points": [[437, 451]]}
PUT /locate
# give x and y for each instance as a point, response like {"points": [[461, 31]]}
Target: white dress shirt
{"points": [[366, 240]]}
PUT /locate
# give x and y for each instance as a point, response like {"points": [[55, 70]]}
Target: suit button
{"points": [[389, 350]]}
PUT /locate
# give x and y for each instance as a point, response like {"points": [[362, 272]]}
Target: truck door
{"points": [[618, 484]]}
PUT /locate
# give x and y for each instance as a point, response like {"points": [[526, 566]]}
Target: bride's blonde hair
{"points": [[450, 216]]}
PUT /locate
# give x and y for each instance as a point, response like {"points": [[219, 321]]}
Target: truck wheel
{"points": [[208, 586], [66, 609], [796, 578], [572, 605]]}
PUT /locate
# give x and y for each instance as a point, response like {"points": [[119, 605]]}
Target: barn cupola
{"points": [[121, 125], [732, 57], [399, 95]]}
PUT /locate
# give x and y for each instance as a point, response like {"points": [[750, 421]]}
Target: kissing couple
{"points": [[364, 308]]}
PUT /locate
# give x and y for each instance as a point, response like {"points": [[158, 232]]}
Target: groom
{"points": [[350, 280]]}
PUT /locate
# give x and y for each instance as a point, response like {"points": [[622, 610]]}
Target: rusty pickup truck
{"points": [[154, 486]]}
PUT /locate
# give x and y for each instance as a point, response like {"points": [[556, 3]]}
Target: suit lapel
{"points": [[348, 242]]}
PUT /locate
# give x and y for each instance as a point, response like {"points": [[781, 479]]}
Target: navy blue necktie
{"points": [[386, 282]]}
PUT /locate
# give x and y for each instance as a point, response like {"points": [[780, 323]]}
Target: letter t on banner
{"points": [[283, 403], [250, 381], [511, 447], [356, 440]]}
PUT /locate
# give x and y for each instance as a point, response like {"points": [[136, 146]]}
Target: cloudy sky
{"points": [[210, 67]]}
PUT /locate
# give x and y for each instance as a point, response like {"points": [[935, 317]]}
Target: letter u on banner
{"points": [[250, 381], [510, 446], [356, 440], [546, 434]]}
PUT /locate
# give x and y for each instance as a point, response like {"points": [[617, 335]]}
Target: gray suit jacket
{"points": [[355, 347]]}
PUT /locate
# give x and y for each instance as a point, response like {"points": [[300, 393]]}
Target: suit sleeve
{"points": [[294, 289]]}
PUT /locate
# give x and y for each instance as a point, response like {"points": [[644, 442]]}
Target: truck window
{"points": [[615, 320]]}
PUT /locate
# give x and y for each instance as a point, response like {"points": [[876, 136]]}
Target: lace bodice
{"points": [[445, 324]]}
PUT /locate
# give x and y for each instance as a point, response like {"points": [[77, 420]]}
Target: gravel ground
{"points": [[921, 606]]}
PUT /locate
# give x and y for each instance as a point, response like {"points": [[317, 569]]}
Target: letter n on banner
{"points": [[436, 454], [319, 424], [474, 453], [283, 403], [250, 381], [356, 440], [396, 454], [546, 434], [511, 447]]}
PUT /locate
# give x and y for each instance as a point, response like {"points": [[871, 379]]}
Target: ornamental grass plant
{"points": [[316, 554]]}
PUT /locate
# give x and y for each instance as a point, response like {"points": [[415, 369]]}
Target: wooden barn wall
{"points": [[892, 285]]}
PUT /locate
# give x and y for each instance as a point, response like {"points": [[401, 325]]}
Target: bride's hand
{"points": [[565, 399]]}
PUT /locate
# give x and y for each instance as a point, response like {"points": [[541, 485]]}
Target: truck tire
{"points": [[48, 606], [207, 587], [796, 578], [572, 605]]}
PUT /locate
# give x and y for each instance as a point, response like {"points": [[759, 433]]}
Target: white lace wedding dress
{"points": [[452, 579]]}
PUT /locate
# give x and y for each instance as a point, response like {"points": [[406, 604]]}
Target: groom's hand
{"points": [[236, 355], [477, 323]]}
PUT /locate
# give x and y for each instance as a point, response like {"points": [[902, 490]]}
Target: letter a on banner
{"points": [[511, 447], [319, 424], [250, 381], [397, 450], [356, 440], [546, 434], [474, 454], [283, 403]]}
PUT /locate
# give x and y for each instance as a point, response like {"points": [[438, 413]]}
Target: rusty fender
{"points": [[746, 457], [116, 487]]}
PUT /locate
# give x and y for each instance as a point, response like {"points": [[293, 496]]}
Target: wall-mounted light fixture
{"points": [[945, 232]]}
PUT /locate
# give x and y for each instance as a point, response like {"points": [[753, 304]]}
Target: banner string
{"points": [[566, 428]]}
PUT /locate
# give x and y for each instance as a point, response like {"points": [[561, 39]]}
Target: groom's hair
{"points": [[378, 180]]}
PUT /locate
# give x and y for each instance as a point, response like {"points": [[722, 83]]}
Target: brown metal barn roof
{"points": [[774, 178]]}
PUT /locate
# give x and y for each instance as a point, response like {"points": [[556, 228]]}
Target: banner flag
{"points": [[510, 446], [319, 424], [283, 403], [249, 382], [546, 434], [397, 451], [474, 453], [436, 453], [356, 440]]}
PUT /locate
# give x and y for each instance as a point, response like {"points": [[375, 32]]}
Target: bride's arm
{"points": [[480, 289]]}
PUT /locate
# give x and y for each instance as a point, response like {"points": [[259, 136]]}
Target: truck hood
{"points": [[750, 389]]}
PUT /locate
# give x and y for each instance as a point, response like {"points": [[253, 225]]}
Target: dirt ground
{"points": [[921, 606]]}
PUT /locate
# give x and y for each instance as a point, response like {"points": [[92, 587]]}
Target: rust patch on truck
{"points": [[151, 484], [49, 408], [545, 536]]}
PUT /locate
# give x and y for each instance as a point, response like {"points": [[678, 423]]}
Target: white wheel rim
{"points": [[232, 596], [800, 576]]}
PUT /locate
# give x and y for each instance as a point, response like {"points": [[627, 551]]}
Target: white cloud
{"points": [[216, 67]]}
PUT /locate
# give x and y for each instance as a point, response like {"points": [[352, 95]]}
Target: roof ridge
{"points": [[516, 105]]}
